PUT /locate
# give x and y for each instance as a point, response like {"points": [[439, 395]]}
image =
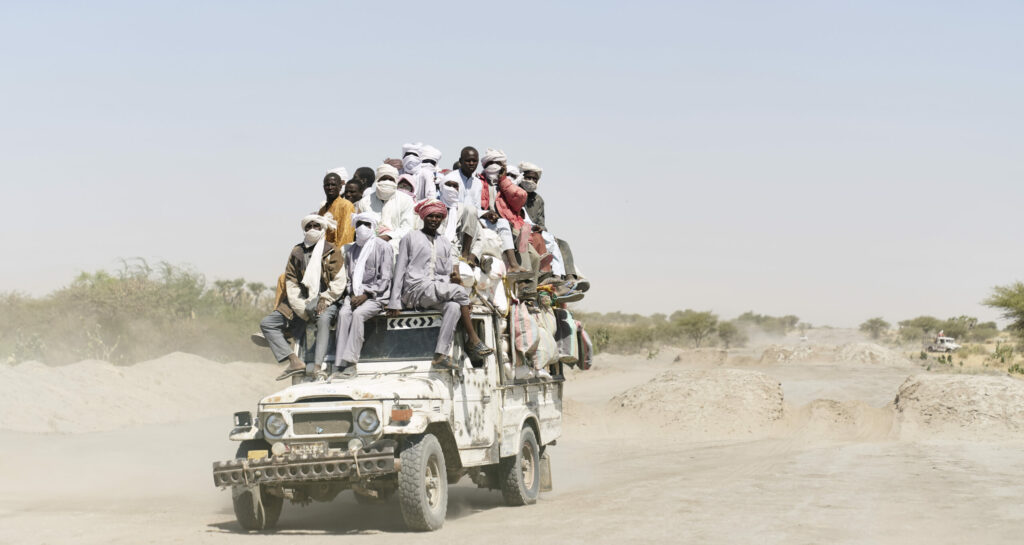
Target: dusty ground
{"points": [[798, 452]]}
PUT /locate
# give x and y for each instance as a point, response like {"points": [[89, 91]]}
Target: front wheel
{"points": [[423, 485], [256, 516], [520, 474]]}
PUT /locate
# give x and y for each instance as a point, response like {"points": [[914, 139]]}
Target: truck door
{"points": [[477, 401]]}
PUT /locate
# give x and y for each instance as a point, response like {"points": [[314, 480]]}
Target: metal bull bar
{"points": [[333, 466]]}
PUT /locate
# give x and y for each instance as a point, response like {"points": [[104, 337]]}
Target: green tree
{"points": [[875, 327], [1010, 299], [731, 335], [696, 326], [927, 324]]}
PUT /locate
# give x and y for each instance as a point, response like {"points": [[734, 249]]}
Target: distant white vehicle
{"points": [[943, 344]]}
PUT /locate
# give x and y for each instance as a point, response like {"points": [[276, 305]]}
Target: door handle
{"points": [[486, 399]]}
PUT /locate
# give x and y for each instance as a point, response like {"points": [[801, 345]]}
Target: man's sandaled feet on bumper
{"points": [[295, 367]]}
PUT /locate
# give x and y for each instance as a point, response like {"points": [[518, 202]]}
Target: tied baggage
{"points": [[524, 326]]}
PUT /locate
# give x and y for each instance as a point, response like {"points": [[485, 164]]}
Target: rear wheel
{"points": [[423, 485], [520, 474]]}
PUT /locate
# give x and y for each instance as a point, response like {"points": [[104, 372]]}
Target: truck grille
{"points": [[322, 423]]}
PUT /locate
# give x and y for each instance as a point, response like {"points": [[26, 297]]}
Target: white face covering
{"points": [[363, 233], [492, 171], [528, 186], [410, 163], [449, 195], [386, 189], [313, 236]]}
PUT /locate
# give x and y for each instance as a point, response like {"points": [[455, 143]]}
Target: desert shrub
{"points": [[137, 313]]}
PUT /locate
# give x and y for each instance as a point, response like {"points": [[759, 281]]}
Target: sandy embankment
{"points": [[834, 447]]}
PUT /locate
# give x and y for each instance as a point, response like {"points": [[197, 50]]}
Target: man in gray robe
{"points": [[367, 294], [426, 277]]}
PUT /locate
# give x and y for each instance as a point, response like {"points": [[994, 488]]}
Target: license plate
{"points": [[308, 449]]}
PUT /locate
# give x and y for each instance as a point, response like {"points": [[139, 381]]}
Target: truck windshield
{"points": [[402, 338]]}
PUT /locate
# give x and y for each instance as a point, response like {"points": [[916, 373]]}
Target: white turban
{"points": [[430, 153], [530, 167], [411, 148], [513, 173], [340, 171], [493, 156], [324, 222], [386, 170], [311, 277], [368, 217]]}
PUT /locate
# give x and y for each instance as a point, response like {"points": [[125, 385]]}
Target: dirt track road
{"points": [[152, 484]]}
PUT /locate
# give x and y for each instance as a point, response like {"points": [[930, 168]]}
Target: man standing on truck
{"points": [[314, 280], [426, 277], [340, 208], [368, 263]]}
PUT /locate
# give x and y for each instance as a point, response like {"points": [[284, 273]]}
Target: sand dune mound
{"points": [[95, 395], [852, 353], [715, 403], [961, 406]]}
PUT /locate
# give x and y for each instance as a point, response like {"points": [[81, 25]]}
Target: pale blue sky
{"points": [[834, 160]]}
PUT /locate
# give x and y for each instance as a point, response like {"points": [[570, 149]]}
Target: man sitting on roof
{"points": [[427, 278], [368, 262], [392, 208], [314, 280]]}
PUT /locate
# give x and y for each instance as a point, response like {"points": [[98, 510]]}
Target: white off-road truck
{"points": [[399, 428], [943, 344]]}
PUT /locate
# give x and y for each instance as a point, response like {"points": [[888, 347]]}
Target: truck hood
{"points": [[363, 387]]}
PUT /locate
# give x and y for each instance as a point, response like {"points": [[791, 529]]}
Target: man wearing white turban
{"points": [[314, 279], [395, 217], [411, 158], [368, 262], [561, 263], [501, 203], [424, 179]]}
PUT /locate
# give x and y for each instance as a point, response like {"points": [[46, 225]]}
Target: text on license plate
{"points": [[309, 449]]}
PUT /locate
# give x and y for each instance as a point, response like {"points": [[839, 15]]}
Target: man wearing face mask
{"points": [[426, 277], [340, 209], [314, 280], [501, 203], [394, 209], [460, 225], [368, 262], [411, 158], [423, 180], [562, 262]]}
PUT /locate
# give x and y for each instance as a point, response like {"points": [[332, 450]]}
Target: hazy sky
{"points": [[833, 160]]}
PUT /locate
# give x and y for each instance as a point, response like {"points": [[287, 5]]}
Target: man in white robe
{"points": [[393, 208]]}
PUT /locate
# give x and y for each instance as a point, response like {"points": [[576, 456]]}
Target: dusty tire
{"points": [[262, 520], [519, 475], [423, 485]]}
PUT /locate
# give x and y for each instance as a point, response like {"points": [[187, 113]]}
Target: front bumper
{"points": [[336, 465]]}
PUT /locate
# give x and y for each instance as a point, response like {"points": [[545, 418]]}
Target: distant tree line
{"points": [[137, 313], [631, 333]]}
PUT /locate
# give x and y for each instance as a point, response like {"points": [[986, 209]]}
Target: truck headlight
{"points": [[275, 424], [368, 420]]}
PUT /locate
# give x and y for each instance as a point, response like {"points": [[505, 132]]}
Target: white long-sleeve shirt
{"points": [[396, 214]]}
